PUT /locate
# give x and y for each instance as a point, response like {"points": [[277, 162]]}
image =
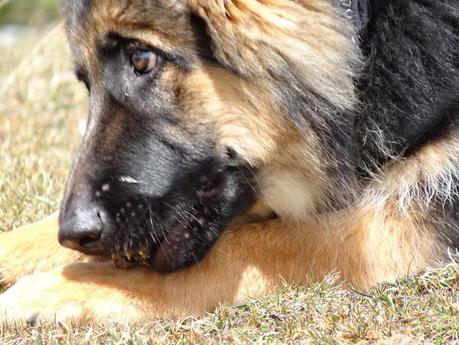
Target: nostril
{"points": [[91, 236], [83, 229], [89, 240]]}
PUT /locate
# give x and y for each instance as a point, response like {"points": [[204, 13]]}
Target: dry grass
{"points": [[421, 310], [40, 109]]}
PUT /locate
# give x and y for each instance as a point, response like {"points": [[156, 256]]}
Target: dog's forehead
{"points": [[86, 17], [81, 9]]}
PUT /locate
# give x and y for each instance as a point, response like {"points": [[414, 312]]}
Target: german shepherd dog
{"points": [[233, 145]]}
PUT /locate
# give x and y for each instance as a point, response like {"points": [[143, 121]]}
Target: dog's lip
{"points": [[186, 228], [162, 255], [95, 248], [132, 259], [174, 242]]}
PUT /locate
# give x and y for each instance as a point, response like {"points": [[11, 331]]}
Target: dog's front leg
{"points": [[33, 248], [240, 265]]}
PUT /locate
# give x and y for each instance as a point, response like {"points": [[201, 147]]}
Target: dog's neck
{"points": [[356, 11]]}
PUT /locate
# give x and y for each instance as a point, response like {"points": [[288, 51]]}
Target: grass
{"points": [[28, 12], [41, 106]]}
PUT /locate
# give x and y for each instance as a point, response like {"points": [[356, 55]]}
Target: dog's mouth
{"points": [[162, 251], [176, 231]]}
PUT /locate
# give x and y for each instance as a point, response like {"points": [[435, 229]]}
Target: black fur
{"points": [[411, 51], [409, 90]]}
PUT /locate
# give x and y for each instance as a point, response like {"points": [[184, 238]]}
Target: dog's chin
{"points": [[179, 231], [185, 242]]}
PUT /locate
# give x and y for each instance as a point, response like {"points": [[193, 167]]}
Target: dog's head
{"points": [[197, 109]]}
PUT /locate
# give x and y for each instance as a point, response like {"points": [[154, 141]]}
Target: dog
{"points": [[234, 145]]}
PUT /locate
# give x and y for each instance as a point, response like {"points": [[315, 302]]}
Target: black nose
{"points": [[82, 230]]}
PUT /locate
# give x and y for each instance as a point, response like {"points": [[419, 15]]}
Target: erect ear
{"points": [[306, 41]]}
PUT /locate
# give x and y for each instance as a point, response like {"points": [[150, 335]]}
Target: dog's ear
{"points": [[237, 33], [305, 41]]}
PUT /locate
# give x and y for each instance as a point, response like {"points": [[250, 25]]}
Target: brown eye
{"points": [[144, 61]]}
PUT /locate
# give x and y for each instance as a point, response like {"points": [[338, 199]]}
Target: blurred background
{"points": [[41, 109], [24, 13], [21, 17]]}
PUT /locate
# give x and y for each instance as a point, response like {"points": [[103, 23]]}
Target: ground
{"points": [[42, 108]]}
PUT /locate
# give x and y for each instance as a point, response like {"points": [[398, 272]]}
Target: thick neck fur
{"points": [[409, 81], [308, 54]]}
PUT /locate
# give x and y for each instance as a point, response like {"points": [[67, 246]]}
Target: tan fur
{"points": [[419, 179], [299, 29], [33, 248]]}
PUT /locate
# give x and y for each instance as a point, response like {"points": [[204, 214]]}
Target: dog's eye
{"points": [[144, 61]]}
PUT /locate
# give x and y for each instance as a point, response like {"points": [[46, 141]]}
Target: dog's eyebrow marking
{"points": [[105, 187], [128, 180]]}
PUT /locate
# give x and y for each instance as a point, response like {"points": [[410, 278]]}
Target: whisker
{"points": [[187, 224]]}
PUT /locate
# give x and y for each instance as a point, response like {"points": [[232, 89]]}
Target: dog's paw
{"points": [[53, 297], [38, 296], [30, 249]]}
